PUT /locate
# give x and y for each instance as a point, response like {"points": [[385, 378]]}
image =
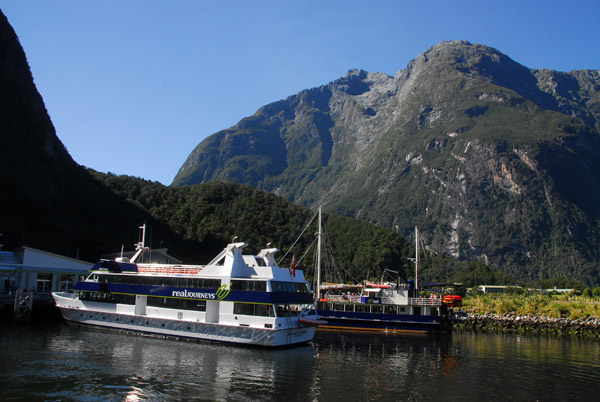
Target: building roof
{"points": [[9, 258], [30, 258]]}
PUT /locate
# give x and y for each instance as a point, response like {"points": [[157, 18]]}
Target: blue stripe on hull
{"points": [[166, 291], [382, 322]]}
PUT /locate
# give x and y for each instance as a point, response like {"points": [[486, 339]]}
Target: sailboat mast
{"points": [[143, 227], [417, 260], [319, 234]]}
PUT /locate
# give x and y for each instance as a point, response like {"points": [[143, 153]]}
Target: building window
{"points": [[67, 282], [44, 283]]}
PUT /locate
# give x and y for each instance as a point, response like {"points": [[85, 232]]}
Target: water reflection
{"points": [[165, 368], [380, 367], [65, 363]]}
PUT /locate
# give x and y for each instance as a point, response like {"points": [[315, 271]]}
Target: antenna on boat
{"points": [[140, 246]]}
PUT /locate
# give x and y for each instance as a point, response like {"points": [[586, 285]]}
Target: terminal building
{"points": [[39, 271]]}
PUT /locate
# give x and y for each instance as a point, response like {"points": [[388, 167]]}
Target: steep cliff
{"points": [[46, 199]]}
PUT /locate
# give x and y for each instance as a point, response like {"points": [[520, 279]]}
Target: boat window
{"points": [[278, 286], [249, 286], [359, 307], [124, 299], [97, 296], [338, 307], [302, 287], [182, 282], [391, 309], [175, 303], [288, 310], [106, 297], [376, 309], [434, 311], [261, 262], [263, 310]]}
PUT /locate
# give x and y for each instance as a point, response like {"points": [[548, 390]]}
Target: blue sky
{"points": [[132, 86]]}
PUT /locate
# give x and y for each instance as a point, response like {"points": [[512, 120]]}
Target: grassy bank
{"points": [[543, 305]]}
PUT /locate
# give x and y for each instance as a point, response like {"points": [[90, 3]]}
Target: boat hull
{"points": [[179, 329], [347, 321]]}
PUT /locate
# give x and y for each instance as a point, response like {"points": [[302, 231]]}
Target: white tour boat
{"points": [[245, 299]]}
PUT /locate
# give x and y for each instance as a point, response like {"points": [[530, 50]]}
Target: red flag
{"points": [[294, 266]]}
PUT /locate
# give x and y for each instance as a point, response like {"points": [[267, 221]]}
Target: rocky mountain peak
{"points": [[447, 144]]}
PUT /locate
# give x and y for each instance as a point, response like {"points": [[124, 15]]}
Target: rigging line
{"points": [[298, 238], [337, 264], [334, 271], [428, 261], [307, 250]]}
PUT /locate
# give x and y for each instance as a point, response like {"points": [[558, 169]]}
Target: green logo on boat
{"points": [[222, 292]]}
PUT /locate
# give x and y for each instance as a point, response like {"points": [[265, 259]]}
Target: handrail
{"points": [[169, 269], [412, 301], [424, 301]]}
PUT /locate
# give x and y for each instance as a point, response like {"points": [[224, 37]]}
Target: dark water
{"points": [[62, 363]]}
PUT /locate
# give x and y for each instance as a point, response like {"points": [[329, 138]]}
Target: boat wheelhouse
{"points": [[245, 299]]}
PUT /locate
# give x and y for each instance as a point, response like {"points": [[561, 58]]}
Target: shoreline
{"points": [[589, 327]]}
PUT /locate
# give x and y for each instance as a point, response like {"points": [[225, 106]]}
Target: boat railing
{"points": [[66, 295], [424, 301], [169, 269], [342, 298]]}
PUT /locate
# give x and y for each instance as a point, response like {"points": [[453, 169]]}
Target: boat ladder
{"points": [[23, 305], [289, 330]]}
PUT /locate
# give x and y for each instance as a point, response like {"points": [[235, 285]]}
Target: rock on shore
{"points": [[589, 327]]}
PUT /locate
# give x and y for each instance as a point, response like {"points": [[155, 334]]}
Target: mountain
{"points": [[493, 161], [48, 201]]}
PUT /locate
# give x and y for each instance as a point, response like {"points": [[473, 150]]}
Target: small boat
{"points": [[388, 307], [237, 298]]}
